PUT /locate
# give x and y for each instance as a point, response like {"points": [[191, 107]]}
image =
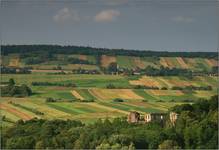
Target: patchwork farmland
{"points": [[103, 106], [96, 96]]}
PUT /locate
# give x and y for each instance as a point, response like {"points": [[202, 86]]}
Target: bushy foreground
{"points": [[196, 127]]}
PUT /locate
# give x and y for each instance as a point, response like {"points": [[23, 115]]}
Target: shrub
{"points": [[118, 100], [110, 86], [144, 100], [50, 99], [164, 88]]}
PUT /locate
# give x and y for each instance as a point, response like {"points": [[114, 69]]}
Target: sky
{"points": [[162, 25]]}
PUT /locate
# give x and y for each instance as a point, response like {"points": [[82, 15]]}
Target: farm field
{"points": [[93, 87], [171, 81], [129, 62], [91, 98]]}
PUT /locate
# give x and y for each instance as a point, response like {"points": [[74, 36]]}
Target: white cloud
{"points": [[65, 15], [107, 15], [183, 19]]}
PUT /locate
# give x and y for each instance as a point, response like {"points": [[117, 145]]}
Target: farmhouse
{"points": [[151, 117], [173, 117], [133, 117]]}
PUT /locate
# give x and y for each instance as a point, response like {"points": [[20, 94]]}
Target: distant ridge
{"points": [[58, 49]]}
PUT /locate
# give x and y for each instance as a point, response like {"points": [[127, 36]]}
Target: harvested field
{"points": [[109, 94], [166, 62], [190, 62], [211, 62], [146, 81], [9, 115], [14, 62], [166, 92], [182, 62], [77, 95], [181, 83], [164, 81], [83, 57], [163, 62], [138, 62], [107, 60], [203, 94], [16, 112]]}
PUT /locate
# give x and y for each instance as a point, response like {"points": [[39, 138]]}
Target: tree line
{"points": [[53, 84], [17, 70], [58, 49]]}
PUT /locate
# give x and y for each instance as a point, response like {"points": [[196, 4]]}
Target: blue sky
{"points": [[170, 25]]}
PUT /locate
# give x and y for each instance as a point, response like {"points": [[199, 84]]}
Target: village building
{"points": [[173, 117], [133, 117], [151, 117]]}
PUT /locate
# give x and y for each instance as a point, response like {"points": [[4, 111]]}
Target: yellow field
{"points": [[181, 83], [166, 92], [203, 94], [77, 95], [182, 62], [138, 62], [163, 62], [191, 62], [145, 81], [169, 82], [14, 62], [83, 57], [166, 62], [106, 60], [211, 62], [108, 94], [40, 106]]}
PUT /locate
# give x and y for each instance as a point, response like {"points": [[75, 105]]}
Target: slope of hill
{"points": [[104, 83]]}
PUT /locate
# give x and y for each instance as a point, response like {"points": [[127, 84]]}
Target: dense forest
{"points": [[196, 128], [57, 49]]}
